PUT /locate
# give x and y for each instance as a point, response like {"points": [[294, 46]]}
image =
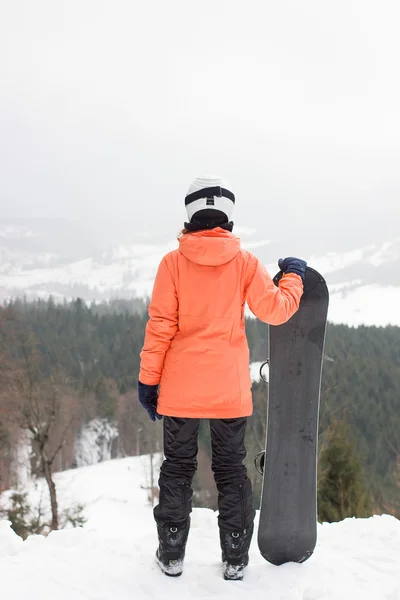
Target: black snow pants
{"points": [[235, 504]]}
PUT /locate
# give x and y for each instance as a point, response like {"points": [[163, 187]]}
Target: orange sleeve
{"points": [[271, 304], [161, 327]]}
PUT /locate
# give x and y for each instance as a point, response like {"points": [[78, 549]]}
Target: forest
{"points": [[66, 366]]}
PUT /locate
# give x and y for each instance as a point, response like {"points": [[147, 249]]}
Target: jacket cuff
{"points": [[291, 274], [148, 380]]}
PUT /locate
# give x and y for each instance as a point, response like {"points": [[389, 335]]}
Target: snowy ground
{"points": [[113, 555]]}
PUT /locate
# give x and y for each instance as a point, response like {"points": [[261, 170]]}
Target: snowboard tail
{"points": [[288, 512]]}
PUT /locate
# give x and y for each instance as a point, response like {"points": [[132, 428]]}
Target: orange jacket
{"points": [[195, 345]]}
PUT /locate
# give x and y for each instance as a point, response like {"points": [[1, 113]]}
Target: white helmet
{"points": [[209, 193]]}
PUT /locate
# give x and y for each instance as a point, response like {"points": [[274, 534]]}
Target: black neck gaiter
{"points": [[210, 224]]}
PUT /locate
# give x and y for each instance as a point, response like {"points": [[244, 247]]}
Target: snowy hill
{"points": [[364, 282], [113, 555]]}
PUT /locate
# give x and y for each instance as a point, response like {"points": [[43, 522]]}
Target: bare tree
{"points": [[37, 403]]}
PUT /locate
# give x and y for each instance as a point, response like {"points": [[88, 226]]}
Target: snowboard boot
{"points": [[235, 552], [171, 548]]}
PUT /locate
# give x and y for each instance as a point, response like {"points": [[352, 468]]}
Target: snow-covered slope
{"points": [[364, 282], [113, 555]]}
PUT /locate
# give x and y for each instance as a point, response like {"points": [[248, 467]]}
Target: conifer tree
{"points": [[341, 486]]}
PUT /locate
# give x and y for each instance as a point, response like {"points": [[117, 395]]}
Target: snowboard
{"points": [[288, 512]]}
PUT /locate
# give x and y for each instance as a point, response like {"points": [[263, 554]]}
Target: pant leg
{"points": [[177, 471], [235, 501]]}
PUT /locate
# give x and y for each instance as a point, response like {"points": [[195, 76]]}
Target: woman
{"points": [[195, 365]]}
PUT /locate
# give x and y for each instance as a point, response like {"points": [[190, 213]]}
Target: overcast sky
{"points": [[111, 108]]}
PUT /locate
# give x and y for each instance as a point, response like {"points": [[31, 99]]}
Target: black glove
{"points": [[148, 396], [293, 265]]}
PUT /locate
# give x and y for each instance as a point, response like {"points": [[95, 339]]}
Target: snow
{"points": [[95, 441], [22, 458], [15, 232], [122, 268], [112, 556], [333, 261], [366, 305], [385, 253], [358, 287]]}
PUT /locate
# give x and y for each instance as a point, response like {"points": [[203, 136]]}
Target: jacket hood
{"points": [[211, 247]]}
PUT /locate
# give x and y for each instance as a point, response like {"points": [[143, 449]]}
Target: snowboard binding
{"points": [[259, 462], [264, 373]]}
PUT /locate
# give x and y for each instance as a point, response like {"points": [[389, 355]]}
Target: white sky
{"points": [[111, 108]]}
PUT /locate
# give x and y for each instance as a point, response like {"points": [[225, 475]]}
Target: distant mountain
{"points": [[104, 260]]}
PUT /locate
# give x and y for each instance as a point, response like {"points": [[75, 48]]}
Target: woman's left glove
{"points": [[148, 396], [293, 265]]}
